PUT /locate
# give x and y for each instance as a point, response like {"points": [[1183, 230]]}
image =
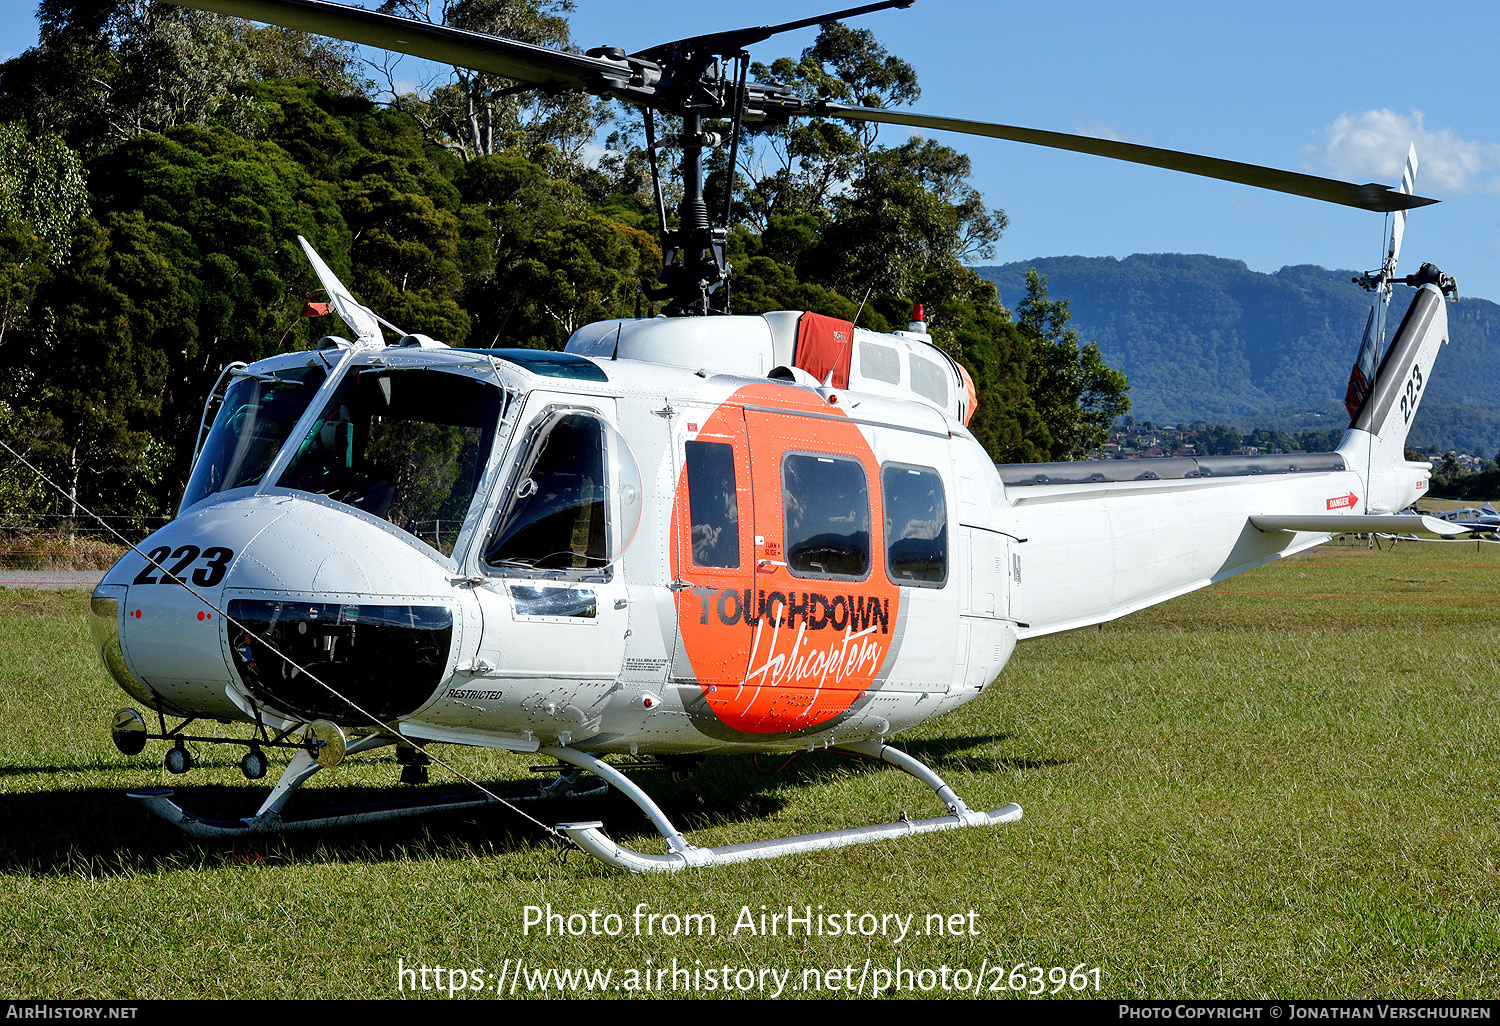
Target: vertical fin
{"points": [[1376, 441], [1402, 379]]}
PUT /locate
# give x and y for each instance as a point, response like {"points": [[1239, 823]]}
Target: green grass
{"points": [[1283, 786]]}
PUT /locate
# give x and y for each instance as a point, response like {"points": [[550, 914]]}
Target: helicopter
{"points": [[695, 534]]}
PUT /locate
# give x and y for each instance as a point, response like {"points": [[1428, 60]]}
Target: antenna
{"points": [[361, 319]]}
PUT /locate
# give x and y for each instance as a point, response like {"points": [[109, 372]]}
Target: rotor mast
{"points": [[695, 269], [694, 258], [696, 85]]}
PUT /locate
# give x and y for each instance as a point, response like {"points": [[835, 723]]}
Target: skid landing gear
{"points": [[269, 818], [589, 836], [592, 839]]}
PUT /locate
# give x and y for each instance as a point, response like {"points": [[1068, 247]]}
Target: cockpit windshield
{"points": [[258, 413], [408, 446]]}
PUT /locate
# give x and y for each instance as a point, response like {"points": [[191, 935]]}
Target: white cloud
{"points": [[1372, 146], [1100, 130]]}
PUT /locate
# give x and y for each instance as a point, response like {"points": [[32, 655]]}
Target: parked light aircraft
{"points": [[1484, 520], [682, 536]]}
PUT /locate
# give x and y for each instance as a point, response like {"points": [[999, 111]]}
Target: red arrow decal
{"points": [[1343, 501]]}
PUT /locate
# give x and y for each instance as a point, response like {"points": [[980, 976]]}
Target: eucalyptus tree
{"points": [[108, 70], [476, 114]]}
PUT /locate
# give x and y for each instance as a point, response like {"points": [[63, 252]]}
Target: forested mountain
{"points": [[157, 165], [1205, 338]]}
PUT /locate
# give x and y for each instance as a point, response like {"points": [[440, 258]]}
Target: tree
{"points": [[818, 155], [42, 198], [93, 387], [109, 70], [586, 270], [886, 225], [908, 226], [42, 202], [118, 310], [277, 53], [22, 493], [412, 242], [477, 114], [1076, 393], [1219, 440], [190, 261], [999, 356], [42, 184]]}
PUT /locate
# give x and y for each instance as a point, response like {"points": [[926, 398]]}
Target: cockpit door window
{"points": [[573, 501], [557, 517]]}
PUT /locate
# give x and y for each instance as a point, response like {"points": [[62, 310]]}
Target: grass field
{"points": [[1282, 786]]}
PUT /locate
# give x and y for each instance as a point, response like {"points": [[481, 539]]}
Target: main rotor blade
{"points": [[638, 81], [737, 39], [510, 58], [1368, 197]]}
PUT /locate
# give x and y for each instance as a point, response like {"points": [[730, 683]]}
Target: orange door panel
{"points": [[786, 640]]}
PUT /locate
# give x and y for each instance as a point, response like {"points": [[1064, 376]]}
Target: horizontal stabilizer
{"points": [[1334, 523]]}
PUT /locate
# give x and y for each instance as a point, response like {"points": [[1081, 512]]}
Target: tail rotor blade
{"points": [[1362, 377], [1398, 226]]}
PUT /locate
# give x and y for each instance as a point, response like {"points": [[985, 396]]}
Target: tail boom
{"points": [[1109, 537], [1095, 552]]}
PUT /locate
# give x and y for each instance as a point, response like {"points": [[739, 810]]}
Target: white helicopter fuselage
{"points": [[629, 640], [647, 545]]}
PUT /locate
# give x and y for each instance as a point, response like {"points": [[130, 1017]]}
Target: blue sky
{"points": [[1335, 89]]}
